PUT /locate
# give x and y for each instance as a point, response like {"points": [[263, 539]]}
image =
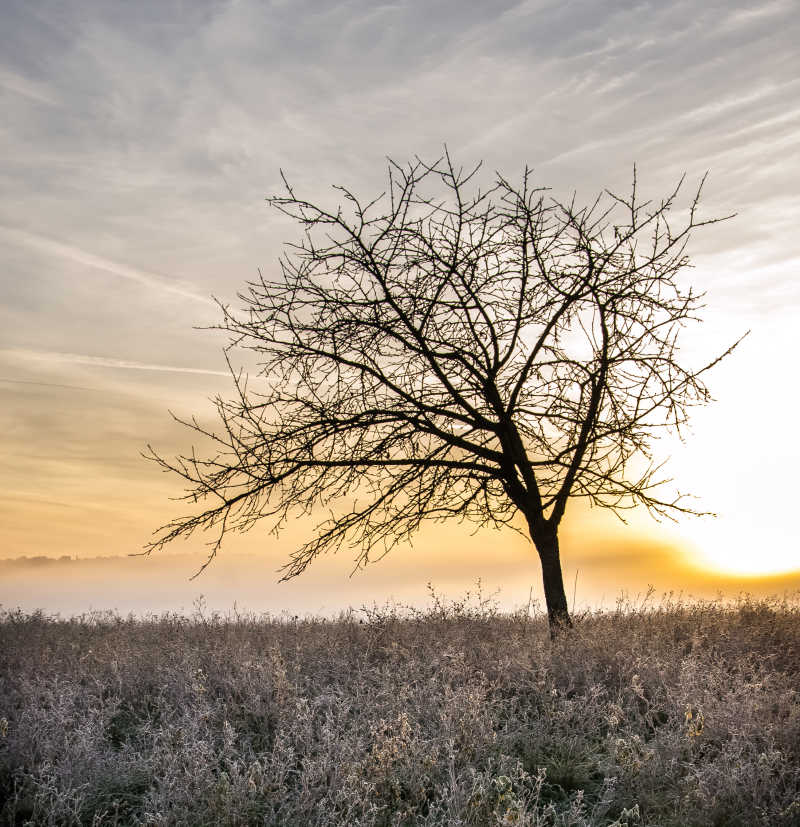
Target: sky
{"points": [[137, 146]]}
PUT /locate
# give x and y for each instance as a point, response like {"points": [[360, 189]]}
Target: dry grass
{"points": [[680, 715]]}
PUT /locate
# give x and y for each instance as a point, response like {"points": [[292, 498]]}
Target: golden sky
{"points": [[139, 142]]}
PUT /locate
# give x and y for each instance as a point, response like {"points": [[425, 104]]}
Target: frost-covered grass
{"points": [[679, 715]]}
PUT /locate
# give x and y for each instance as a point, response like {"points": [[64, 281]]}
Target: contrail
{"points": [[56, 248], [103, 362], [26, 87], [51, 385]]}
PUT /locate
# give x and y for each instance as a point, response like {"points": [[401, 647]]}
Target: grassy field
{"points": [[676, 715]]}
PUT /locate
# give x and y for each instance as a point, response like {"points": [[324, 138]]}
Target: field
{"points": [[681, 714]]}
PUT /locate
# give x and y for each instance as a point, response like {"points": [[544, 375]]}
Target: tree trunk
{"points": [[546, 542]]}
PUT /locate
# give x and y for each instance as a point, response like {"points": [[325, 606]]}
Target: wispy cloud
{"points": [[77, 255], [747, 16], [54, 357]]}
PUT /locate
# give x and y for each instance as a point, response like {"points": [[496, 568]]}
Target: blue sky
{"points": [[139, 140]]}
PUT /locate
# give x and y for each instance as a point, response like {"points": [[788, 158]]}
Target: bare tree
{"points": [[445, 352]]}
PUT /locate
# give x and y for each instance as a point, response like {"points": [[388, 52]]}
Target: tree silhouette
{"points": [[445, 352]]}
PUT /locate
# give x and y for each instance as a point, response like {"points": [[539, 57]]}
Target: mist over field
{"points": [[249, 583]]}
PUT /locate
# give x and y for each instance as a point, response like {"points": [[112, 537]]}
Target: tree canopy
{"points": [[446, 351]]}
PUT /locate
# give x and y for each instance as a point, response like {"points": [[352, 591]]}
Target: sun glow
{"points": [[737, 547], [741, 466]]}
